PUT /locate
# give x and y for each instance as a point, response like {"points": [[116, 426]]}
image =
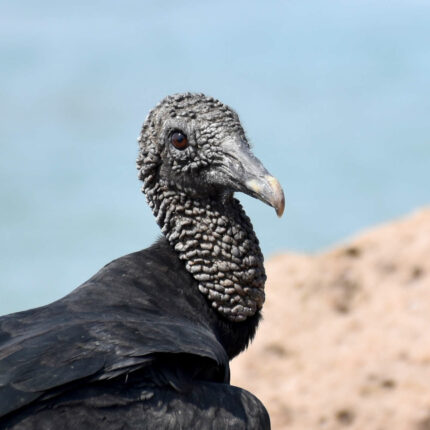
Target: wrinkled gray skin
{"points": [[191, 194]]}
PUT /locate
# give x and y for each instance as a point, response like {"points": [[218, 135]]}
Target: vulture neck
{"points": [[216, 241]]}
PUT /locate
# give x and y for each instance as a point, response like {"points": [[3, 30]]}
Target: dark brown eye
{"points": [[179, 140]]}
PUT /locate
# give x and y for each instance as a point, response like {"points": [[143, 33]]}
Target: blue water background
{"points": [[334, 95]]}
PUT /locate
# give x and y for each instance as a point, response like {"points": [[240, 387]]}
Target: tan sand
{"points": [[345, 341]]}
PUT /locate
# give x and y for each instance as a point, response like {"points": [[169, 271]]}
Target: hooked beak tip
{"points": [[270, 191], [278, 194]]}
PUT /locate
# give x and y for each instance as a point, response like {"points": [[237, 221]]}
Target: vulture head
{"points": [[193, 156]]}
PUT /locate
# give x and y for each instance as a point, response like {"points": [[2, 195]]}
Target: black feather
{"points": [[121, 327]]}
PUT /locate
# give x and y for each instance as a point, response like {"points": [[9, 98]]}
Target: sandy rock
{"points": [[345, 341]]}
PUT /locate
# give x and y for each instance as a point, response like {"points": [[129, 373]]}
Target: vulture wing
{"points": [[120, 321]]}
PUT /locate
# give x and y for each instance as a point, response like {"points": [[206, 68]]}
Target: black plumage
{"points": [[138, 345]]}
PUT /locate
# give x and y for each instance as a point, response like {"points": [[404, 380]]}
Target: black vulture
{"points": [[146, 342]]}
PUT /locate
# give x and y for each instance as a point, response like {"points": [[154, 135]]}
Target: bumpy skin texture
{"points": [[206, 226], [138, 346]]}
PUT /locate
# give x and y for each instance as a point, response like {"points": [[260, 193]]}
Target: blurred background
{"points": [[334, 95]]}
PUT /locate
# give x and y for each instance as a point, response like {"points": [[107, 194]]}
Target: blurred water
{"points": [[335, 97]]}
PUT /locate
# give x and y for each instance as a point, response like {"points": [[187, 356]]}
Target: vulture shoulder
{"points": [[118, 323]]}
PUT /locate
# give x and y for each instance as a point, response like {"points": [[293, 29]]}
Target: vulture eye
{"points": [[179, 140]]}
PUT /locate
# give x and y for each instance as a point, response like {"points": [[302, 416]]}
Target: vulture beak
{"points": [[250, 176], [269, 190]]}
